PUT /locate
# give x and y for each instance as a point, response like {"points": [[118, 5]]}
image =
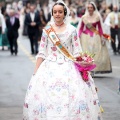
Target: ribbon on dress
{"points": [[56, 41], [93, 29]]}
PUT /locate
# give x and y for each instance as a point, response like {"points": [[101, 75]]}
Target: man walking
{"points": [[13, 25], [113, 20], [32, 20]]}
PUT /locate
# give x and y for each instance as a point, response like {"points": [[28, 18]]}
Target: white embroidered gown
{"points": [[57, 91]]}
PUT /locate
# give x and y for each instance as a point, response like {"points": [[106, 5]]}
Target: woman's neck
{"points": [[59, 27], [91, 14], [59, 24]]}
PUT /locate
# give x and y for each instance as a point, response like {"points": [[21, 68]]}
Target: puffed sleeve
{"points": [[43, 46], [100, 27], [76, 47], [3, 23]]}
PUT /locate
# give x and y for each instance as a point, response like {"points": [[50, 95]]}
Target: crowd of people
{"points": [[23, 10], [33, 17]]}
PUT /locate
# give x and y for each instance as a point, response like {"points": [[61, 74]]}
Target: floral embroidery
{"points": [[42, 45], [58, 90], [75, 38], [76, 44], [43, 38], [54, 48]]}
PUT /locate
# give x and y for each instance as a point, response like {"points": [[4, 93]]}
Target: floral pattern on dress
{"points": [[57, 91]]}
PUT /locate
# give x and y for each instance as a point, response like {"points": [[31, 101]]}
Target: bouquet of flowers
{"points": [[84, 64]]}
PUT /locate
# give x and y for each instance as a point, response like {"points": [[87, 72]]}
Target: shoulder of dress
{"points": [[97, 18], [47, 26], [71, 27], [83, 17], [44, 32]]}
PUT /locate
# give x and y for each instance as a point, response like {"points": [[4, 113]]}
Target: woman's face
{"points": [[58, 13], [72, 14], [90, 9]]}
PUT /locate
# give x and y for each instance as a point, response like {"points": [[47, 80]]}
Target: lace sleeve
{"points": [[43, 46]]}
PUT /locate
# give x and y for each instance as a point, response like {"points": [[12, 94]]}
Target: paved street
{"points": [[15, 73]]}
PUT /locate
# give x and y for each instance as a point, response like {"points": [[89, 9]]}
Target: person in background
{"points": [[27, 7], [43, 22], [32, 20], [92, 42], [80, 10], [113, 21], [74, 20], [15, 7], [8, 8], [38, 6], [3, 42], [20, 5], [46, 10], [26, 10], [3, 7], [13, 25]]}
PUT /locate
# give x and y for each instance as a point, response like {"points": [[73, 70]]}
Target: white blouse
{"points": [[69, 39], [2, 22]]}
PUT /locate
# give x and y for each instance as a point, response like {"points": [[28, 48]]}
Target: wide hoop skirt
{"points": [[58, 92]]}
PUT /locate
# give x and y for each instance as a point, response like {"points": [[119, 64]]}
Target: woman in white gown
{"points": [[57, 90]]}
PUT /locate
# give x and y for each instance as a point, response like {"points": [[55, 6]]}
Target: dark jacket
{"points": [[32, 29], [12, 29]]}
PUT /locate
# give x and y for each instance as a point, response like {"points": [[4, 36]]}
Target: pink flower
{"points": [[54, 54], [43, 38], [79, 58], [54, 48], [76, 44], [85, 57], [42, 45], [75, 38], [89, 59]]}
